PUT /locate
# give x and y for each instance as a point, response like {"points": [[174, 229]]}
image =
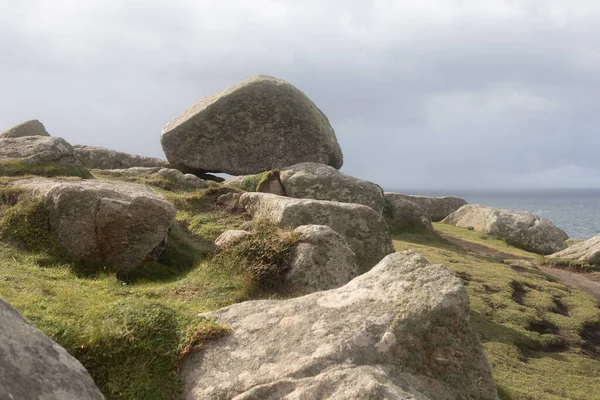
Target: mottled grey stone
{"points": [[405, 215], [400, 331], [521, 229], [27, 128], [36, 149], [438, 208], [362, 227], [94, 157], [585, 251], [118, 223], [259, 124], [33, 367]]}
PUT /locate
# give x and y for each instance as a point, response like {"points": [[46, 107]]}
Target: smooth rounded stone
{"points": [[27, 128], [259, 124], [438, 208], [322, 260], [520, 229], [94, 157], [184, 179], [405, 215], [36, 149], [229, 200], [122, 224], [32, 366], [230, 237], [585, 251], [400, 331], [363, 228]]}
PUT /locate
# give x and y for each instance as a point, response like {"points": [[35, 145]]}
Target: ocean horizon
{"points": [[576, 211]]}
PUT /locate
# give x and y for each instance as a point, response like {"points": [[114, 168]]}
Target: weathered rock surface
{"points": [[33, 367], [173, 175], [573, 241], [183, 179], [363, 228], [406, 215], [400, 331], [259, 124], [122, 224], [27, 128], [38, 149], [587, 251], [322, 260], [438, 208], [521, 229], [229, 237], [94, 157]]}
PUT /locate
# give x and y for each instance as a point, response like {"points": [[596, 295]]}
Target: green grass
{"points": [[531, 325], [19, 168]]}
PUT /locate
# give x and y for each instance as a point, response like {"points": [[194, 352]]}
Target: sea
{"points": [[576, 211]]}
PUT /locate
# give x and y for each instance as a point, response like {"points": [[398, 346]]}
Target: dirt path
{"points": [[588, 282]]}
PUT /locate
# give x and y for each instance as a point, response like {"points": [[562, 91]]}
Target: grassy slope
{"points": [[530, 324]]}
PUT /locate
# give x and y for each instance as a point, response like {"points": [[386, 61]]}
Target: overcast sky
{"points": [[436, 94]]}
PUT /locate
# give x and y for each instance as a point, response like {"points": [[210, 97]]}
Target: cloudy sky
{"points": [[433, 94]]}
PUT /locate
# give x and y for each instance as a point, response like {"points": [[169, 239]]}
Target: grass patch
{"points": [[533, 328], [150, 179], [20, 168]]}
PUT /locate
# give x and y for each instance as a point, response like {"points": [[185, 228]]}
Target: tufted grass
{"points": [[536, 331], [14, 168]]}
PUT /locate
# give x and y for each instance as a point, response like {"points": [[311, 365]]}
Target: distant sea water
{"points": [[576, 211]]}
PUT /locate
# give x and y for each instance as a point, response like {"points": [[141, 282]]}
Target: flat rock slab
{"points": [[121, 224], [520, 229], [38, 149], [586, 251], [256, 125], [438, 208], [94, 157], [362, 227], [33, 367], [400, 331], [27, 128]]}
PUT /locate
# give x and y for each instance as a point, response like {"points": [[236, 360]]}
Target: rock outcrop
{"points": [[438, 208], [34, 367], [27, 128], [322, 260], [587, 251], [405, 215], [94, 157], [259, 124], [170, 174], [400, 331], [362, 227], [38, 149], [520, 229], [121, 224]]}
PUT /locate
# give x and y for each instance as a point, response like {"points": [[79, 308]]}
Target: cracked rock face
{"points": [[118, 223], [521, 229], [363, 228], [38, 149], [34, 367], [256, 125], [400, 331]]}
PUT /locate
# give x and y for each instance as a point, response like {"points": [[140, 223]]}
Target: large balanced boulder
{"points": [[587, 251], [520, 229], [259, 124], [321, 260], [406, 215], [94, 157], [33, 367], [438, 208], [362, 227], [36, 149], [400, 331], [27, 128], [121, 224]]}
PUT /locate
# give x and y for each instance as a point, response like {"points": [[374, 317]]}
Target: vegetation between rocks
{"points": [[20, 168]]}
